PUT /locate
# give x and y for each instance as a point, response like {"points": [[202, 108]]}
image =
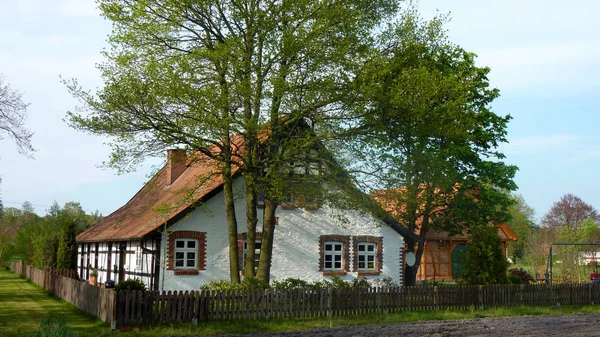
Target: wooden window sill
{"points": [[369, 273], [186, 272], [334, 273]]}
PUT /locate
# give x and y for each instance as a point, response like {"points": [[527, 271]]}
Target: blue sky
{"points": [[544, 56]]}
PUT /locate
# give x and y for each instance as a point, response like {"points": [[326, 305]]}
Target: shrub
{"points": [[250, 283], [253, 283], [292, 284], [131, 284], [360, 282], [485, 261], [336, 282], [386, 282], [54, 327], [514, 279], [522, 274]]}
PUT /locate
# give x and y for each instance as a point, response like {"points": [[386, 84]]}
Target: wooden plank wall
{"points": [[93, 300]]}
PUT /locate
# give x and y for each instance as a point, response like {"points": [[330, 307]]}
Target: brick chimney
{"points": [[176, 164]]}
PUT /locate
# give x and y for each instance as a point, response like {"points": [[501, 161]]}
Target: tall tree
{"points": [[523, 223], [12, 118], [27, 207], [66, 254], [192, 74], [570, 211], [427, 135]]}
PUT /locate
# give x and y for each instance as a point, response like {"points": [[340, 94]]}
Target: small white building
{"points": [[175, 243]]}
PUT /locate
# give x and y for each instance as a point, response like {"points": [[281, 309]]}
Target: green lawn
{"points": [[23, 305]]}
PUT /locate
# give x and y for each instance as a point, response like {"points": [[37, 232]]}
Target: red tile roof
{"points": [[156, 203], [389, 201]]}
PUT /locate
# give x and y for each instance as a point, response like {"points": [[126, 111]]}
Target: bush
{"points": [[485, 261], [292, 284], [522, 274], [54, 327], [386, 282], [131, 284], [250, 283], [514, 279]]}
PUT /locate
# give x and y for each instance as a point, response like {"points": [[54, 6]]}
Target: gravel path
{"points": [[574, 325]]}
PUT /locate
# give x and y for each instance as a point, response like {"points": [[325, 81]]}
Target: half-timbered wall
{"points": [[139, 260]]}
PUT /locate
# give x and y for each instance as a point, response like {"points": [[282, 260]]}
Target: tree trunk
{"points": [[251, 220], [234, 273], [410, 272], [268, 233]]}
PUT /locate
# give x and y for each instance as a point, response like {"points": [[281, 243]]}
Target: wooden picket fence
{"points": [[137, 307], [168, 307]]}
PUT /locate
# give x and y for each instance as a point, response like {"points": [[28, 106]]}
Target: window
{"points": [[243, 246], [186, 253], [257, 246], [333, 253], [138, 258], [366, 256]]}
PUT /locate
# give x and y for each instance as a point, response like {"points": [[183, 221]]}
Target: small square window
{"points": [[366, 256], [332, 255], [186, 252]]}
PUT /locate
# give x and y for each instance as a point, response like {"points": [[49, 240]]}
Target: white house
{"points": [[184, 246]]}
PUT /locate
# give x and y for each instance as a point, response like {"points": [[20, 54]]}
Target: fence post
{"points": [[521, 294], [481, 307], [330, 306], [435, 298], [266, 304], [590, 293]]}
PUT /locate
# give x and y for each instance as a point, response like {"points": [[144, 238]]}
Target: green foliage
{"points": [[386, 282], [6, 249], [292, 284], [66, 255], [49, 241], [568, 266], [485, 261], [521, 274], [523, 224], [426, 130], [54, 327], [250, 283], [335, 282], [130, 284], [514, 279]]}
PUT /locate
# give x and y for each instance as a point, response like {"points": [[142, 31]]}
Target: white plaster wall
{"points": [[296, 246]]}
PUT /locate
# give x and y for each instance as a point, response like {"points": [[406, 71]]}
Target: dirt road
{"points": [[575, 325]]}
